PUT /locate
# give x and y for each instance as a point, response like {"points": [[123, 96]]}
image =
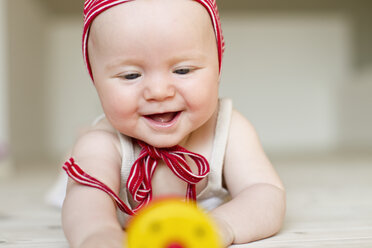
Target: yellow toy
{"points": [[172, 223]]}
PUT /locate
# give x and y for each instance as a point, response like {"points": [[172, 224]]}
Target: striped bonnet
{"points": [[93, 8]]}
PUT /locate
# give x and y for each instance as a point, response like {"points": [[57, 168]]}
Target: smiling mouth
{"points": [[163, 118]]}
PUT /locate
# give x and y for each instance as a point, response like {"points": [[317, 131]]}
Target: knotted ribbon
{"points": [[139, 180]]}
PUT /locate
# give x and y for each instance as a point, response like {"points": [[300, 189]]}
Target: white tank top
{"points": [[214, 194]]}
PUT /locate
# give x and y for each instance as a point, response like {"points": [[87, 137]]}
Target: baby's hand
{"points": [[104, 239], [225, 231]]}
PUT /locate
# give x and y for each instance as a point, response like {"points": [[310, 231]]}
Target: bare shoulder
{"points": [[97, 152], [240, 124], [246, 163], [97, 140], [242, 135]]}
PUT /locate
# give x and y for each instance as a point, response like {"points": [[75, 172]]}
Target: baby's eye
{"points": [[182, 71], [131, 76]]}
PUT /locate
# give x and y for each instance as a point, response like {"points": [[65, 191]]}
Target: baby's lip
{"points": [[165, 117], [163, 121]]}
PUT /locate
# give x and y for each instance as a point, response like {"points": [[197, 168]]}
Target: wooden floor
{"points": [[329, 205]]}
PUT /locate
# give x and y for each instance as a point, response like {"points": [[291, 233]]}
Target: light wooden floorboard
{"points": [[329, 202]]}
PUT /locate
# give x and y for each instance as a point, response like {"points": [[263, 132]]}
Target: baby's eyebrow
{"points": [[122, 62], [185, 56], [189, 56]]}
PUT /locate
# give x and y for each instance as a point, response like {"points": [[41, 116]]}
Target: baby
{"points": [[156, 68]]}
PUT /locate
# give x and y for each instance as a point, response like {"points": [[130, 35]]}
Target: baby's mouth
{"points": [[163, 117]]}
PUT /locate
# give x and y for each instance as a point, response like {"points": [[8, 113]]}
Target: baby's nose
{"points": [[159, 90]]}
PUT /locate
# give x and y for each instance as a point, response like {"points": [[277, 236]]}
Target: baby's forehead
{"points": [[146, 11], [160, 16]]}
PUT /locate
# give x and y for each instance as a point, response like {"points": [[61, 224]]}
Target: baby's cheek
{"points": [[205, 103], [120, 116], [119, 106]]}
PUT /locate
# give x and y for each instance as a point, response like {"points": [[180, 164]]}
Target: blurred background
{"points": [[299, 70]]}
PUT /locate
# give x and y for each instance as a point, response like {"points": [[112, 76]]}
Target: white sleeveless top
{"points": [[214, 194]]}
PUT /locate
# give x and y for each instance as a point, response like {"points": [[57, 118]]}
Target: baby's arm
{"points": [[88, 214], [257, 208]]}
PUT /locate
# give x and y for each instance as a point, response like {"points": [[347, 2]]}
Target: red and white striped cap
{"points": [[93, 8]]}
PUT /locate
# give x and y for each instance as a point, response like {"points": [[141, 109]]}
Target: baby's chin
{"points": [[163, 141]]}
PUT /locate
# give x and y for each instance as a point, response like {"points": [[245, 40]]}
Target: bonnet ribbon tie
{"points": [[139, 180]]}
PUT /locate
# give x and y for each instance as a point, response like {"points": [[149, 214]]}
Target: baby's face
{"points": [[155, 68]]}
